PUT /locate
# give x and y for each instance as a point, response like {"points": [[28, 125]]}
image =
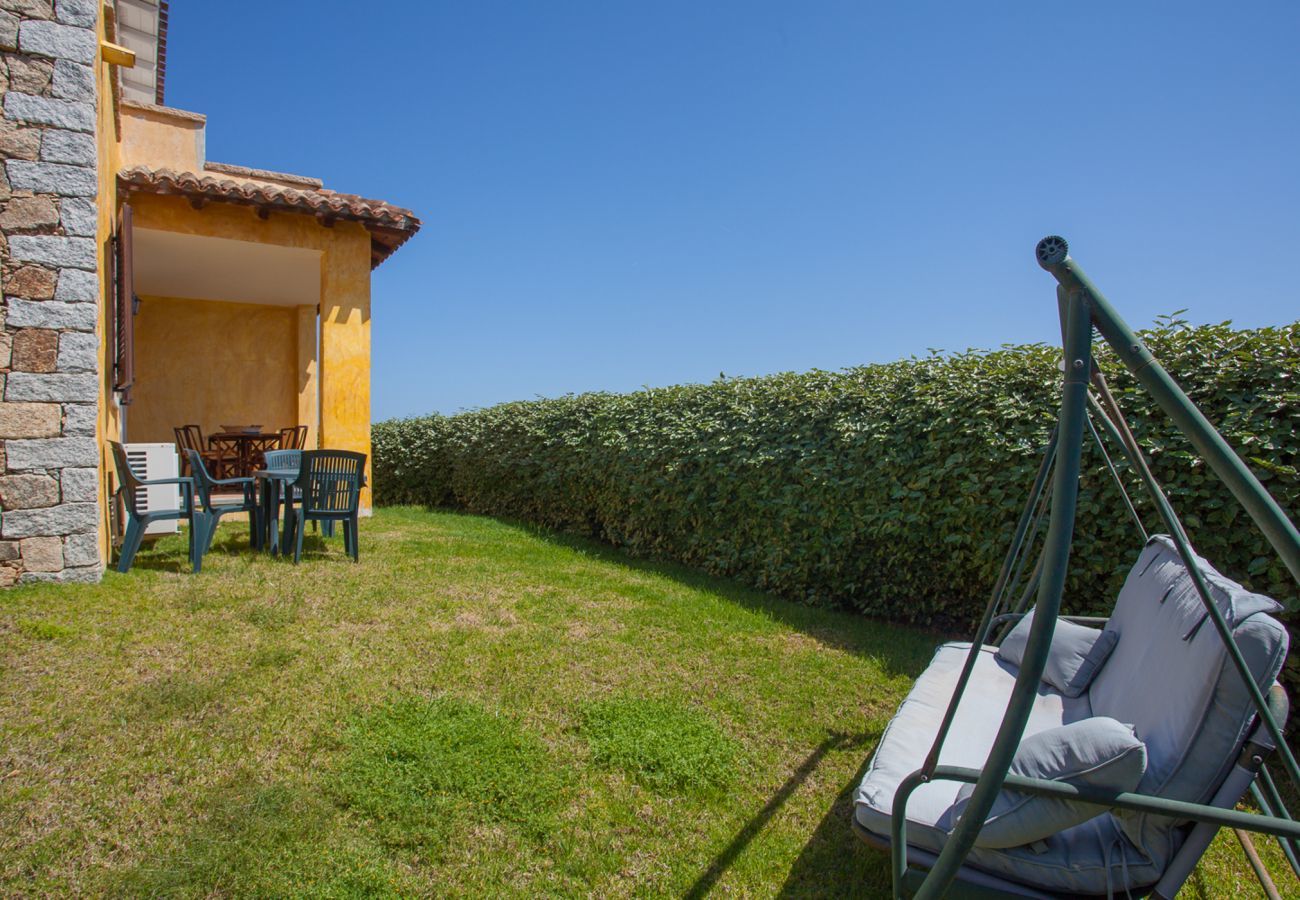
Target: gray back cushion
{"points": [[1171, 679], [1078, 653]]}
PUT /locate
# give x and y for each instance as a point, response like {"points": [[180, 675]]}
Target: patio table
{"points": [[246, 447], [275, 491]]}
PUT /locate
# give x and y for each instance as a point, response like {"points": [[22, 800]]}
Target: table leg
{"points": [[273, 517], [290, 523]]}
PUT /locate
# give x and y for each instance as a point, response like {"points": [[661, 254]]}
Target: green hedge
{"points": [[892, 489]]}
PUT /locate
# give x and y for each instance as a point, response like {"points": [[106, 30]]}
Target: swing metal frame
{"points": [[1082, 309]]}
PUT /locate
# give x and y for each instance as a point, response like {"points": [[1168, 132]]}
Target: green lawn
{"points": [[474, 709]]}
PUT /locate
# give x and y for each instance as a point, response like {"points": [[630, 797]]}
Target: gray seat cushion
{"points": [[1073, 860]]}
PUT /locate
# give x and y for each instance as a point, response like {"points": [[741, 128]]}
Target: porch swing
{"points": [[1060, 756]]}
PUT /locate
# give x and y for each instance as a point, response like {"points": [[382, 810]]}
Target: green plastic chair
{"points": [[280, 459], [130, 484], [211, 506], [328, 490]]}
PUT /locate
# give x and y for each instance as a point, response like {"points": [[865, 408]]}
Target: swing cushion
{"points": [[1095, 753], [1074, 860], [1169, 677], [1172, 678], [1077, 653]]}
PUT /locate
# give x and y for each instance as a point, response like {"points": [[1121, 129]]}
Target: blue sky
{"points": [[619, 194]]}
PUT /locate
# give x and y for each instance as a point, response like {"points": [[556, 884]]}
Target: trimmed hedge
{"points": [[892, 489]]}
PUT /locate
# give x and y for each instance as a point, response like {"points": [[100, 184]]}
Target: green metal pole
{"points": [[1053, 255], [1114, 472], [1077, 324]]}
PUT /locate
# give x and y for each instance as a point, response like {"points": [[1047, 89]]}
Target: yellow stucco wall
{"points": [[162, 138], [108, 425], [214, 364], [343, 370]]}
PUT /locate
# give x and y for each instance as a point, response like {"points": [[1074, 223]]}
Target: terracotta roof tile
{"points": [[389, 226]]}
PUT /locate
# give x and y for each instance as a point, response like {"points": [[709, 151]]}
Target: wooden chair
{"points": [[293, 438], [190, 437]]}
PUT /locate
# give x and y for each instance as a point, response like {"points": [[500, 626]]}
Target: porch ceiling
{"points": [[170, 264]]}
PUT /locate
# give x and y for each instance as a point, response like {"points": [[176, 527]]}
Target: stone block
{"points": [[28, 491], [78, 352], [29, 420], [42, 554], [75, 115], [78, 217], [54, 250], [79, 419], [76, 12], [5, 192], [53, 521], [29, 214], [35, 350], [52, 453], [58, 41], [30, 9], [73, 81], [77, 285], [81, 550], [72, 147], [80, 485], [55, 387], [50, 314], [29, 76], [8, 31], [50, 178], [32, 282], [6, 349], [80, 575], [8, 551], [18, 142]]}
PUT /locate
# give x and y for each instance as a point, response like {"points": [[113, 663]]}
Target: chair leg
{"points": [[356, 543], [130, 544], [255, 527], [214, 519], [299, 528], [202, 527]]}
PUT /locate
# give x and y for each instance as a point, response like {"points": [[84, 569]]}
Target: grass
{"points": [[475, 709], [666, 746]]}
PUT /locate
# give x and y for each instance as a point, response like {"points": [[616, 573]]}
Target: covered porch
{"points": [[252, 304]]}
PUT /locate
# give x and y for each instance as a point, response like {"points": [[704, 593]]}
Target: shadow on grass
{"points": [[833, 742], [834, 862], [900, 650], [171, 553]]}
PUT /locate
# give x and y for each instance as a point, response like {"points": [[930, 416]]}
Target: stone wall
{"points": [[49, 376]]}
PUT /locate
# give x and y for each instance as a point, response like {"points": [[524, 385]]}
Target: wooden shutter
{"points": [[124, 312]]}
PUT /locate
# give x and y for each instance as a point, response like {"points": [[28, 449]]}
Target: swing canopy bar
{"points": [[1057, 756]]}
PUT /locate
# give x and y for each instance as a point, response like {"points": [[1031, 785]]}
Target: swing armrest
{"points": [[1094, 621], [1178, 809]]}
